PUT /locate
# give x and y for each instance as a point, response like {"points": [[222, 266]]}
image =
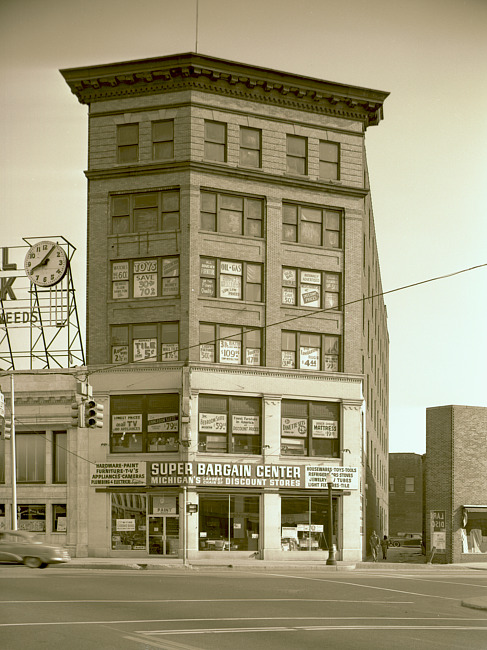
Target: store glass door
{"points": [[163, 535]]}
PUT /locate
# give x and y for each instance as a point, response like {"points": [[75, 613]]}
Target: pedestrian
{"points": [[385, 545], [374, 546]]}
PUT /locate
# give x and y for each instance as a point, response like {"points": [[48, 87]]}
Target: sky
{"points": [[427, 159]]}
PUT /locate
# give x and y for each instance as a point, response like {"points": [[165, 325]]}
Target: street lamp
{"points": [[331, 547]]}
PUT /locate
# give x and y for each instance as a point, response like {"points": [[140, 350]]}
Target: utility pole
{"points": [[13, 455]]}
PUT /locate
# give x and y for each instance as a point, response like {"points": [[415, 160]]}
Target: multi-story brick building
{"points": [[231, 333], [405, 493], [455, 485]]}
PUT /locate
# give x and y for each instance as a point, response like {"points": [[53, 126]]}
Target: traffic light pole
{"points": [[13, 455]]}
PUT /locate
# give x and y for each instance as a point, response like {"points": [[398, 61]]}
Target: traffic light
{"points": [[5, 429], [77, 415], [93, 414]]}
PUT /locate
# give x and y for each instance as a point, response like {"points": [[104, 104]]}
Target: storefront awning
{"points": [[475, 508]]}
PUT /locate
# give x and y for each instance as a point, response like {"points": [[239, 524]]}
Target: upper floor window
{"points": [[143, 423], [392, 487], [409, 484], [319, 289], [31, 457], [230, 344], [296, 155], [310, 428], [310, 351], [146, 278], [311, 225], [229, 424], [250, 147], [60, 457], [163, 140], [215, 141], [145, 342], [232, 214], [229, 279], [145, 212], [128, 143], [329, 160]]}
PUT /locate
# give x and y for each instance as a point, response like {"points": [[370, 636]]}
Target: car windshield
{"points": [[21, 537]]}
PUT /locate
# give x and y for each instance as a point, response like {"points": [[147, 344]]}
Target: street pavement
{"points": [[267, 606]]}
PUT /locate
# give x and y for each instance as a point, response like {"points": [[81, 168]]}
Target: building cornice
{"points": [[225, 78], [333, 187]]}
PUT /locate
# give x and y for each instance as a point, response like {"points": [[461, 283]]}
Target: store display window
{"points": [[129, 522], [228, 522], [144, 423], [31, 517], [305, 524], [474, 531]]}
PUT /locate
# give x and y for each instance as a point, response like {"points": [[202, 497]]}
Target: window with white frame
{"points": [[230, 279], [145, 342], [145, 278], [329, 160], [310, 289], [229, 424], [232, 214], [231, 344], [310, 428], [311, 225], [310, 351], [145, 212]]}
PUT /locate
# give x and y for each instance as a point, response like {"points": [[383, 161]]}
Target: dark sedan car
{"points": [[24, 547], [406, 539]]}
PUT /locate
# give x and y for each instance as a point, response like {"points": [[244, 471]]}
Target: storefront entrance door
{"points": [[163, 535]]}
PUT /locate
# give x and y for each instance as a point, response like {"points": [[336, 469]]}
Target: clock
{"points": [[46, 263]]}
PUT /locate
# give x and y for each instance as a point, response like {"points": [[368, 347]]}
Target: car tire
{"points": [[396, 544], [33, 562]]}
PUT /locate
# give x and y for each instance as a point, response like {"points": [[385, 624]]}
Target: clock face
{"points": [[46, 263]]}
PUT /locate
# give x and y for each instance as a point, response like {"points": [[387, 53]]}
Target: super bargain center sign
{"points": [[250, 475]]}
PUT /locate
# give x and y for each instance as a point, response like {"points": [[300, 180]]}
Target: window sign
{"points": [[288, 296], [310, 295], [310, 277], [324, 429], [207, 353], [145, 285], [252, 357], [61, 524], [245, 424], [145, 266], [170, 351], [120, 290], [208, 268], [288, 359], [164, 505], [332, 282], [157, 422], [230, 286], [145, 349], [170, 286], [170, 267], [127, 423], [294, 427], [125, 524], [230, 351], [213, 422], [120, 354], [309, 358], [331, 363], [231, 268], [207, 287], [289, 277], [120, 271]]}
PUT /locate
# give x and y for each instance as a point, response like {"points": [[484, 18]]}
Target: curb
{"points": [[476, 603]]}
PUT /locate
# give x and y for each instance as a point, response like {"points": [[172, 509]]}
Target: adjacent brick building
{"points": [[455, 485], [230, 333], [405, 493]]}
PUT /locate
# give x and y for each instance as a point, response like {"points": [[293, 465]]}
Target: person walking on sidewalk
{"points": [[385, 545], [374, 546]]}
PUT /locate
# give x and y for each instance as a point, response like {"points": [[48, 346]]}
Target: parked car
{"points": [[24, 547], [406, 539]]}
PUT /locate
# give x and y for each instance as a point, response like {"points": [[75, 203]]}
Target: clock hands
{"points": [[44, 260]]}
